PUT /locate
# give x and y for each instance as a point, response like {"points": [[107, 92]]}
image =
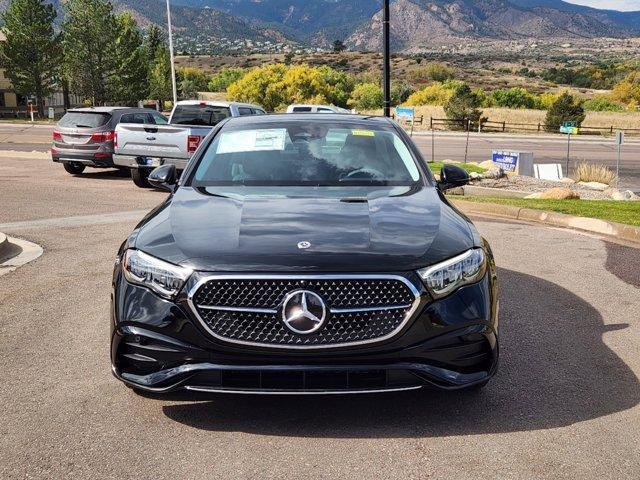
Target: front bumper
{"points": [[159, 346]]}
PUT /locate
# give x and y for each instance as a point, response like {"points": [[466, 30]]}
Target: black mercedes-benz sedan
{"points": [[305, 254]]}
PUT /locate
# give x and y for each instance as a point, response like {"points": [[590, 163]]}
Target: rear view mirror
{"points": [[452, 176], [164, 177]]}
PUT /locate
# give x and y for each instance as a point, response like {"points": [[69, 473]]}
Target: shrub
{"points": [[276, 86], [435, 94], [547, 99], [628, 90], [515, 98], [566, 108], [436, 72], [589, 172], [463, 104], [602, 103], [225, 77], [195, 78], [367, 96], [400, 93]]}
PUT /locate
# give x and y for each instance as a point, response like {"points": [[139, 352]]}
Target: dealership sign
{"points": [[508, 161]]}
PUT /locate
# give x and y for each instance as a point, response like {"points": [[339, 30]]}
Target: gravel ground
{"points": [[533, 185]]}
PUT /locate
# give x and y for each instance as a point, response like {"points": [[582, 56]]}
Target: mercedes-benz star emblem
{"points": [[304, 312]]}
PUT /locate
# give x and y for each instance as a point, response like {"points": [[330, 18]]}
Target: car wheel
{"points": [[74, 168], [140, 177]]}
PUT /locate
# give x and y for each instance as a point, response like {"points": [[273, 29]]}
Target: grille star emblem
{"points": [[303, 312]]}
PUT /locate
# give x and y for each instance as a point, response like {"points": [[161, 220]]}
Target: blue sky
{"points": [[625, 5]]}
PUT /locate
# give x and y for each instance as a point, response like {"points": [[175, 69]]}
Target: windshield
{"points": [[200, 114], [317, 153], [84, 120]]}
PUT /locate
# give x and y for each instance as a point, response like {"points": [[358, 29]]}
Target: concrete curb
{"points": [[15, 253], [4, 245], [592, 225]]}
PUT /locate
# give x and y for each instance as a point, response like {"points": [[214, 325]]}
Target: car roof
{"points": [[310, 118], [102, 109], [218, 103]]}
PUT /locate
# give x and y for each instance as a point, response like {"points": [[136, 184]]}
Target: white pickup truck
{"points": [[143, 147]]}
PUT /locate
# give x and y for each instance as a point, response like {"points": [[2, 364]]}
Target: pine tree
{"points": [[463, 106], [565, 109], [89, 47], [128, 82], [154, 40], [31, 53]]}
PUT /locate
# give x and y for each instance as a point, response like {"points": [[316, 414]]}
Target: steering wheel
{"points": [[363, 174]]}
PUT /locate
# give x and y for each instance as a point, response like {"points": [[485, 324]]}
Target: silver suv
{"points": [[84, 137]]}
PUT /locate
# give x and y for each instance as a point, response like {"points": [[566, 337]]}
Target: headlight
{"points": [[445, 277], [163, 278]]}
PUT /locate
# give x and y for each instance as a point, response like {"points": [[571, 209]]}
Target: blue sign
{"points": [[405, 113], [508, 161]]}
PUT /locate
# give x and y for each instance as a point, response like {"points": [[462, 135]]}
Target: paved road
{"points": [[546, 148], [564, 405]]}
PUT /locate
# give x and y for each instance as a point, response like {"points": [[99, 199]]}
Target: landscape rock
{"points": [[495, 173], [622, 195], [476, 176], [534, 195], [487, 164], [560, 194], [567, 180], [601, 187]]}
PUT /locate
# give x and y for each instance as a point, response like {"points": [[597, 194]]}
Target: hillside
{"points": [[214, 26]]}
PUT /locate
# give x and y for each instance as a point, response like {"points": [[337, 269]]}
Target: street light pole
{"points": [[386, 62], [173, 66]]}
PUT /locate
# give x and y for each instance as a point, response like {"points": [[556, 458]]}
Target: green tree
{"points": [[89, 47], [193, 80], [31, 53], [566, 108], [225, 77], [160, 87], [367, 96], [339, 46], [153, 40], [129, 80], [515, 98], [400, 93], [464, 104]]}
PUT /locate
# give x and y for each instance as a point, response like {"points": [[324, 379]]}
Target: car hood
{"points": [[389, 231]]}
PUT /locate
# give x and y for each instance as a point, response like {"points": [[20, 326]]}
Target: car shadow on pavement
{"points": [[104, 174], [555, 371]]}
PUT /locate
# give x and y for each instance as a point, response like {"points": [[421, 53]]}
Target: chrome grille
{"points": [[248, 310]]}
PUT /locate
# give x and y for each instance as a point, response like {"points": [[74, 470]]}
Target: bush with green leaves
{"points": [[464, 104], [225, 77], [191, 81], [276, 86], [367, 96], [436, 72], [516, 97], [566, 108], [601, 103]]}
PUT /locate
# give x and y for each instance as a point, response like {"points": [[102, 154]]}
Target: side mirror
{"points": [[164, 177], [452, 176]]}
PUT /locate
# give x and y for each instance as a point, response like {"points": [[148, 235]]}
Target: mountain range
{"points": [[415, 24]]}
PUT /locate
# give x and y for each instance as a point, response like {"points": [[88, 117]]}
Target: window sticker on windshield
{"points": [[363, 133], [252, 141]]}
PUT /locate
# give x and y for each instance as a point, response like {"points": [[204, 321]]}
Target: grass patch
{"points": [[469, 167], [610, 210]]}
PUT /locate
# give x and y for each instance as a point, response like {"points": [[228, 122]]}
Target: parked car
{"points": [[143, 147], [84, 137], [305, 254], [300, 108]]}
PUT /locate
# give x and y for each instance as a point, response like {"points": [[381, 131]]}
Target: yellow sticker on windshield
{"points": [[363, 133]]}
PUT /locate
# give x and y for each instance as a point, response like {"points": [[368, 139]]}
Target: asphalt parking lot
{"points": [[565, 403]]}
